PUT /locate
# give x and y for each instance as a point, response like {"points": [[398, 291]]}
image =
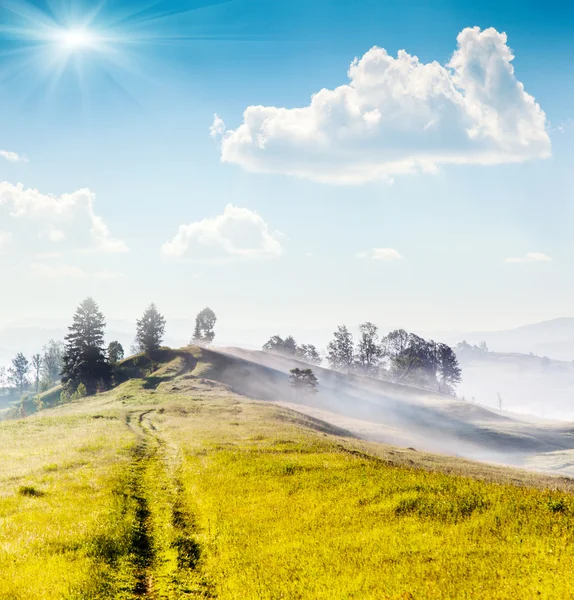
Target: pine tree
{"points": [[340, 350], [150, 329], [84, 357]]}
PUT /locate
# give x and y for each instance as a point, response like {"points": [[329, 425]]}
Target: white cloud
{"points": [[12, 156], [218, 127], [396, 116], [386, 254], [529, 258], [238, 233], [69, 217]]}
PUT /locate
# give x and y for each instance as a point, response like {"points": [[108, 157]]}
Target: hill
{"points": [[553, 338], [190, 479]]}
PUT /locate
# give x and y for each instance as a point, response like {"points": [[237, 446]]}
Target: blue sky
{"points": [[466, 233]]}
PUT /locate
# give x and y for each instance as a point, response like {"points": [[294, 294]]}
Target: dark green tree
{"points": [[18, 372], [150, 330], [115, 352], [340, 351], [204, 327], [303, 381], [84, 358]]}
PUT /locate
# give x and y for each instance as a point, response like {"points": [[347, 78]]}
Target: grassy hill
{"points": [[184, 481]]}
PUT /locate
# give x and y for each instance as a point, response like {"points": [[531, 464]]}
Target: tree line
{"points": [[400, 357], [83, 364]]}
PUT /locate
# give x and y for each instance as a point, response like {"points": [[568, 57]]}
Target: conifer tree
{"points": [[150, 330], [84, 357]]}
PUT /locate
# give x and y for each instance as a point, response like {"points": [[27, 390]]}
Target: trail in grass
{"points": [[165, 552]]}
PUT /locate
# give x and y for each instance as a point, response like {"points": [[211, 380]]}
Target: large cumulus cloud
{"points": [[396, 116]]}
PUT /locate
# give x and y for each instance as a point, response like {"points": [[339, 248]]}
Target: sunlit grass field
{"points": [[174, 487]]}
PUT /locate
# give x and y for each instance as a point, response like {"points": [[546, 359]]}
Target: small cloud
{"points": [[70, 217], [237, 234], [529, 257], [386, 254], [12, 156], [217, 128]]}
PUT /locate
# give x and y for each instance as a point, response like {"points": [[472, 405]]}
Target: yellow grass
{"points": [[176, 488]]}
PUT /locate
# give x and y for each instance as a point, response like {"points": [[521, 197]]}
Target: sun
{"points": [[76, 39]]}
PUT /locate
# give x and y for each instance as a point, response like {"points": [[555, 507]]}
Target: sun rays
{"points": [[79, 40]]}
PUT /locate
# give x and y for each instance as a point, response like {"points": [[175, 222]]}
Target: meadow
{"points": [[172, 486]]}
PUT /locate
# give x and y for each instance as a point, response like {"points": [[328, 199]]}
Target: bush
{"points": [[81, 392]]}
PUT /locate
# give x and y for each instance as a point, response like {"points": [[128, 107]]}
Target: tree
{"points": [[36, 366], [52, 363], [369, 353], [84, 357], [150, 329], [340, 350], [303, 380], [204, 324], [278, 345], [308, 353], [449, 373], [412, 359], [115, 352], [18, 372]]}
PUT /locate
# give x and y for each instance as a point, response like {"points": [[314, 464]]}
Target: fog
{"points": [[405, 416]]}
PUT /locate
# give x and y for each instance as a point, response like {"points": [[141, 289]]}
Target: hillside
{"points": [[553, 338], [189, 480]]}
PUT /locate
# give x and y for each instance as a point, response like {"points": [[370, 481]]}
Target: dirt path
{"points": [[164, 547]]}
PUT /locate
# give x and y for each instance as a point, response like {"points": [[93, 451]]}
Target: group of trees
{"points": [[83, 364], [400, 356], [289, 347], [38, 374]]}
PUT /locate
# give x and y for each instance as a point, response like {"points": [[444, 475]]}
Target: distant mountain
{"points": [[554, 338]]}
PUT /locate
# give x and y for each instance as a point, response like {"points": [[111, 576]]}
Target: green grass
{"points": [[173, 487]]}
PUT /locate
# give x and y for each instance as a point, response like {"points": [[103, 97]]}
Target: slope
{"points": [[172, 485]]}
